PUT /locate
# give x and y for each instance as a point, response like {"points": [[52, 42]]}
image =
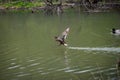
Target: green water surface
{"points": [[28, 50]]}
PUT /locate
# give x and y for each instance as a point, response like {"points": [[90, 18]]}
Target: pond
{"points": [[28, 50]]}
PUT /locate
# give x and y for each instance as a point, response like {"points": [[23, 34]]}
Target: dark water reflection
{"points": [[28, 50]]}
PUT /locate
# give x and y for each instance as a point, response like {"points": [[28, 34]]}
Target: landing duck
{"points": [[61, 38]]}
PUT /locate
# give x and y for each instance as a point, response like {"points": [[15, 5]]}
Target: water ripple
{"points": [[63, 69], [87, 70], [105, 70], [21, 75], [34, 64], [71, 70], [13, 67]]}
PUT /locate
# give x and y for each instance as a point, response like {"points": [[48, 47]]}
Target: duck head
{"points": [[113, 30]]}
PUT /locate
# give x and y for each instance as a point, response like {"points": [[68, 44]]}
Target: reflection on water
{"points": [[29, 52], [67, 60]]}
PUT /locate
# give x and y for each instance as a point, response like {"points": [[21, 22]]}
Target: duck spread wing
{"points": [[65, 33]]}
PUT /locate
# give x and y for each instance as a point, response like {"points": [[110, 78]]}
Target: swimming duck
{"points": [[62, 37], [116, 31]]}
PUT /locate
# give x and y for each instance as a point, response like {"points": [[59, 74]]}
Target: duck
{"points": [[61, 38], [115, 31]]}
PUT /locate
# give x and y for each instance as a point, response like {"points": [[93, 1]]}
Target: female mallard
{"points": [[62, 37]]}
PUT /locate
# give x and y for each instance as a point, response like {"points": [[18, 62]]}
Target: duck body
{"points": [[60, 40], [116, 31]]}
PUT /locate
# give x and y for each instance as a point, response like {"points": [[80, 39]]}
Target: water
{"points": [[28, 50]]}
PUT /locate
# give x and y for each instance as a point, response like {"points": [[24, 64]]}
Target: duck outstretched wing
{"points": [[64, 34]]}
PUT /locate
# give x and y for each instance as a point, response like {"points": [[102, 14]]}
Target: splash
{"points": [[108, 49]]}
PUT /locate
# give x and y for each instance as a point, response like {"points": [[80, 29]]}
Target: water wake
{"points": [[108, 49]]}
